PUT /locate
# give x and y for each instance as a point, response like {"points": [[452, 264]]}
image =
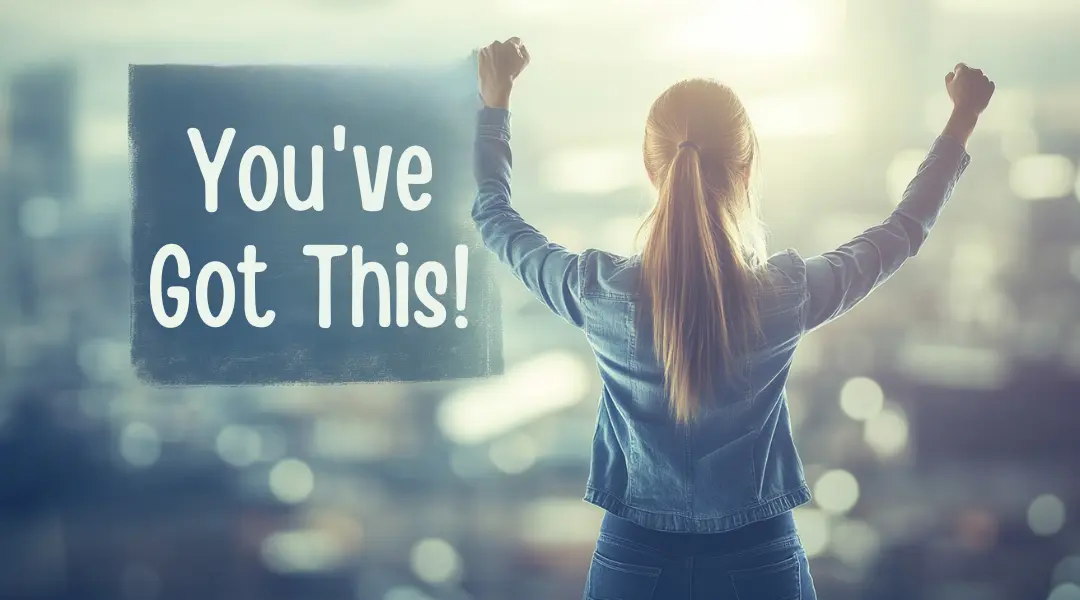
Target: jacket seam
{"points": [[681, 522], [582, 267], [691, 471]]}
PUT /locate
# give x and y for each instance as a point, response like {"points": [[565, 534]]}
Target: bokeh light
{"points": [[301, 551], [1042, 176], [1065, 591], [435, 561], [836, 491], [1019, 142], [813, 525], [239, 446], [40, 217], [1067, 570], [514, 455], [405, 592], [140, 444], [887, 432], [105, 360], [539, 386], [861, 398], [1046, 515], [291, 481], [856, 543], [559, 522]]}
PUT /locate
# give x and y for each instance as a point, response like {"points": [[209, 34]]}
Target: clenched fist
{"points": [[499, 65], [969, 89]]}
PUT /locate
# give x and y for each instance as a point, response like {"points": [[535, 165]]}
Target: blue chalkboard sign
{"points": [[307, 225]]}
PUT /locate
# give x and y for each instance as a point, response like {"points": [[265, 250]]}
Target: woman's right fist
{"points": [[969, 89], [499, 65]]}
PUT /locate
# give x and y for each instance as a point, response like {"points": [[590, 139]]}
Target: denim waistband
{"points": [[728, 542]]}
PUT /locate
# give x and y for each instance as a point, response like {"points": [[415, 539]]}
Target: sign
{"points": [[307, 225]]}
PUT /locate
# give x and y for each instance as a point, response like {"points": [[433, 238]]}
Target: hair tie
{"points": [[691, 145]]}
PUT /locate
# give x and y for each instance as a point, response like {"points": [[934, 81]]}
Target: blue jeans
{"points": [[761, 561]]}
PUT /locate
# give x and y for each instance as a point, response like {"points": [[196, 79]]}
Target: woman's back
{"points": [[736, 462]]}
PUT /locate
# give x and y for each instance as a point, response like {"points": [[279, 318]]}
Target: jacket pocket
{"points": [[775, 581], [615, 580]]}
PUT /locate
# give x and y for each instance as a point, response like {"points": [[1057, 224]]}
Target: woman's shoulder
{"points": [[786, 269], [610, 274], [783, 284]]}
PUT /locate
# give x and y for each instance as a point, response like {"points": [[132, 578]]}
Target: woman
{"points": [[693, 457]]}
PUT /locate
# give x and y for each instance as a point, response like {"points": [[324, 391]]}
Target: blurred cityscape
{"points": [[939, 421]]}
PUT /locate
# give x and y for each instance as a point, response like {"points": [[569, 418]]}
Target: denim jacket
{"points": [[736, 463]]}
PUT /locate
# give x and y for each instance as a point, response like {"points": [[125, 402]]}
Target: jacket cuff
{"points": [[945, 147], [494, 123]]}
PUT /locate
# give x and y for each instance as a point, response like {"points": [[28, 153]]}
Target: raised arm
{"points": [[838, 280], [548, 270]]}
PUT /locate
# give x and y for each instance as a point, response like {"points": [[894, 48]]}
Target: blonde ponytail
{"points": [[698, 277]]}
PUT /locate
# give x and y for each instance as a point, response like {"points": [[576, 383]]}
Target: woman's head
{"points": [[710, 115], [704, 241]]}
